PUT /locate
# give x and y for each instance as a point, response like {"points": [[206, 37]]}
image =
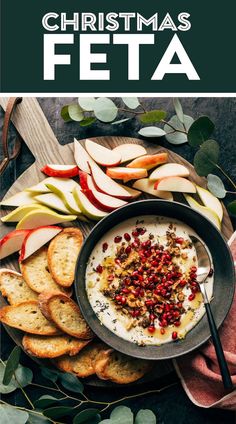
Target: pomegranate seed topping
{"points": [[182, 283], [104, 247], [110, 277], [191, 296], [177, 323], [179, 240], [194, 269], [127, 237], [118, 298], [127, 281], [117, 239], [99, 269], [149, 302], [128, 250], [123, 300], [151, 329], [174, 335], [211, 272], [162, 331], [152, 317], [135, 233], [125, 290]]}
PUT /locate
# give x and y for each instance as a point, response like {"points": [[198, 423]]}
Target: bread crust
{"points": [[14, 287], [36, 273], [26, 316], [120, 368], [83, 364], [52, 347], [65, 314], [62, 255]]}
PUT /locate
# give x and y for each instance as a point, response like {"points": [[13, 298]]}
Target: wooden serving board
{"points": [[35, 130]]}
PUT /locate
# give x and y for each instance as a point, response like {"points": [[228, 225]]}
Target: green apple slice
{"points": [[63, 184], [210, 201], [53, 201], [39, 218], [20, 199], [20, 212], [207, 212], [86, 206]]}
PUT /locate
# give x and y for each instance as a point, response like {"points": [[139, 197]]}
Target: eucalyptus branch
{"points": [[24, 392], [226, 176], [21, 408], [135, 112], [173, 128]]}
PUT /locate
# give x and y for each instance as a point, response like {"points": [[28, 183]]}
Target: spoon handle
{"points": [[219, 351]]}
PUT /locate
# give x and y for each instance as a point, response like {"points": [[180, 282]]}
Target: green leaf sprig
{"points": [[53, 406]]}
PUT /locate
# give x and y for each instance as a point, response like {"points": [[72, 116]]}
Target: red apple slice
{"points": [[36, 239], [179, 184], [61, 171], [101, 154], [12, 242], [81, 157], [147, 186], [106, 185], [127, 174], [149, 161], [169, 170], [130, 151]]}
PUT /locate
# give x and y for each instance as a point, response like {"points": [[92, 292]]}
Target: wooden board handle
{"points": [[35, 130]]}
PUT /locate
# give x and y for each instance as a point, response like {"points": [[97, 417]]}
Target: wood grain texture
{"points": [[38, 135]]}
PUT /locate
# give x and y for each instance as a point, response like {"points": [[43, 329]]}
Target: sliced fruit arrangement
{"points": [[204, 210], [59, 198]]}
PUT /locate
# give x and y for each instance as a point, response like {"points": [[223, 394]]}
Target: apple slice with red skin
{"points": [[12, 242], [100, 200], [178, 184], [61, 171], [105, 184], [101, 154], [149, 161], [130, 151], [126, 174], [82, 158], [37, 238]]}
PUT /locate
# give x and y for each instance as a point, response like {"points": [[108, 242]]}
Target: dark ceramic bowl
{"points": [[224, 281]]}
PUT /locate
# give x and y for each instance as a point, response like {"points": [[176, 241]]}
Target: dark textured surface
{"points": [[172, 405]]}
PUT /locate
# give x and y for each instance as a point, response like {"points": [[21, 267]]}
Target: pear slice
{"points": [[20, 212], [147, 186], [39, 218], [53, 201], [207, 212], [63, 184], [67, 198], [86, 206], [20, 199], [210, 201]]}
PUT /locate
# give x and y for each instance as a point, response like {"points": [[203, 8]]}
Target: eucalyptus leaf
{"points": [[178, 109], [122, 414], [175, 137], [216, 186], [121, 121], [87, 103], [45, 401], [65, 114], [232, 207], [145, 416], [152, 132], [57, 412], [206, 158], [71, 382], [75, 112], [152, 116], [87, 121], [200, 131], [11, 415], [131, 102], [11, 365], [37, 419], [24, 376], [50, 374], [87, 416], [105, 109]]}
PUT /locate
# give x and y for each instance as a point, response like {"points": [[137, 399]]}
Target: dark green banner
{"points": [[106, 47]]}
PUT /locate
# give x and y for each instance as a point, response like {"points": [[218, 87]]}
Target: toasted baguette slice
{"points": [[62, 255], [83, 364], [36, 273], [120, 368], [52, 346], [14, 288], [65, 314], [27, 316]]}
